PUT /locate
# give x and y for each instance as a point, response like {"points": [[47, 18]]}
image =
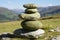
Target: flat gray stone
{"points": [[5, 38], [56, 38], [29, 34], [30, 6], [57, 29]]}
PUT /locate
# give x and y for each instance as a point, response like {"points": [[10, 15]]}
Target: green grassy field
{"points": [[9, 26], [48, 24]]}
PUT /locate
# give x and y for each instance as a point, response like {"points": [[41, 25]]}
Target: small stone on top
{"points": [[30, 6]]}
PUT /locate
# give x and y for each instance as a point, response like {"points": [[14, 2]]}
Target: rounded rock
{"points": [[31, 10], [33, 16], [30, 6], [31, 25]]}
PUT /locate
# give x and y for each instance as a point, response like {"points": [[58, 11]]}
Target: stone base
{"points": [[29, 34]]}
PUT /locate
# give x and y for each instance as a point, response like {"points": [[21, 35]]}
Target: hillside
{"points": [[18, 11], [49, 11], [7, 15]]}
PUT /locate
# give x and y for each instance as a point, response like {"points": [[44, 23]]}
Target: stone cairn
{"points": [[31, 27]]}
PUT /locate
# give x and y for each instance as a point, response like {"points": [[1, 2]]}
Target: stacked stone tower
{"points": [[30, 21], [31, 17]]}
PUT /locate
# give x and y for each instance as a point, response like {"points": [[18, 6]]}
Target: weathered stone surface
{"points": [[30, 6], [4, 38], [32, 16], [30, 11], [31, 25], [29, 34], [56, 38], [57, 29]]}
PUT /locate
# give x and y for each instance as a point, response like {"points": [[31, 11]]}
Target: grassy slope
{"points": [[48, 23], [7, 15], [9, 26]]}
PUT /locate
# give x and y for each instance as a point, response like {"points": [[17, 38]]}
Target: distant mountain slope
{"points": [[19, 11], [49, 11], [8, 15]]}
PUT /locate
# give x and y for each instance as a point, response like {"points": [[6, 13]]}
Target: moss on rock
{"points": [[31, 25]]}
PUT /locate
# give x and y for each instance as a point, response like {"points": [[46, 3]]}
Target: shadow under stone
{"points": [[17, 31], [16, 34]]}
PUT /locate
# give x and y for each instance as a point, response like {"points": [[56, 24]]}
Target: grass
{"points": [[51, 23], [9, 26], [47, 24]]}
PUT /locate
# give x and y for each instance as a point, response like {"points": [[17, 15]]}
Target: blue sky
{"points": [[18, 4]]}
